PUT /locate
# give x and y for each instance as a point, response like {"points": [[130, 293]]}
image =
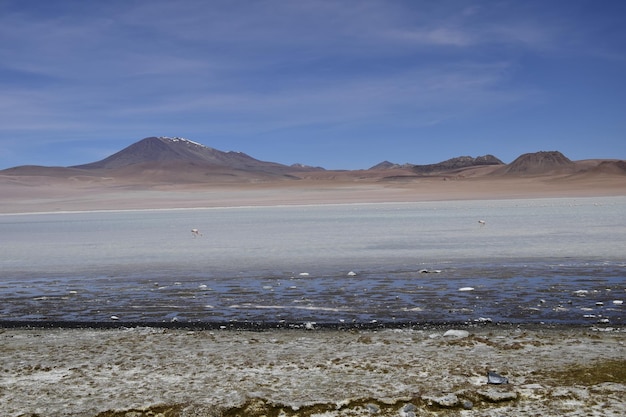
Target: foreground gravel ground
{"points": [[394, 372]]}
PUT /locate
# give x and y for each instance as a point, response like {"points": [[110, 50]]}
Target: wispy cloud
{"points": [[436, 37]]}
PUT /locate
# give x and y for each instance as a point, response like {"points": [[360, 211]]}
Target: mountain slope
{"points": [[164, 149]]}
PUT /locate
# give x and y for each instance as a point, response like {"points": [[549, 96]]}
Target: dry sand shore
{"points": [[34, 194], [393, 372]]}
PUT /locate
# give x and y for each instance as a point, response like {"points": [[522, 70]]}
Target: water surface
{"points": [[539, 260]]}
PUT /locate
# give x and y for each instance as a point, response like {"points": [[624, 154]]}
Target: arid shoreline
{"points": [[36, 195]]}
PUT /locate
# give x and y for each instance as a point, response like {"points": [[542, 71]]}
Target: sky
{"points": [[338, 84]]}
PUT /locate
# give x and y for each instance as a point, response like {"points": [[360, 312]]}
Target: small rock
{"points": [[372, 408], [114, 318], [494, 378], [484, 320], [352, 274], [466, 289], [467, 404], [618, 302], [456, 333]]}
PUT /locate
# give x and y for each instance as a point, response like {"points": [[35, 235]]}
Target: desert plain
{"points": [[39, 192]]}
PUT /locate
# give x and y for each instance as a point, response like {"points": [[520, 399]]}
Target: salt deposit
{"points": [[77, 373], [456, 333]]}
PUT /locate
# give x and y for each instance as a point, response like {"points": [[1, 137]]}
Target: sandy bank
{"points": [[146, 371], [35, 196]]}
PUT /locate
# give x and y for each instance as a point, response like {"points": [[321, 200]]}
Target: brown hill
{"points": [[539, 163], [610, 167]]}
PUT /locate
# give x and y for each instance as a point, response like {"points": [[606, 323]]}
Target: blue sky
{"points": [[338, 84]]}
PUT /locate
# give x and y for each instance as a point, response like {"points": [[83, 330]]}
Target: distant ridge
{"points": [[175, 161], [457, 163], [390, 165]]}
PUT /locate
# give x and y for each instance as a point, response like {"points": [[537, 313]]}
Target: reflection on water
{"points": [[549, 260]]}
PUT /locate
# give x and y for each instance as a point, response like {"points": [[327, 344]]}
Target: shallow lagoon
{"points": [[541, 260]]}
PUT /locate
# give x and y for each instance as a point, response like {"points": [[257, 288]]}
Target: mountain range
{"points": [[177, 160]]}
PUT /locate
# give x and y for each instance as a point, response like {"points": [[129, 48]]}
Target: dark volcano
{"points": [[164, 149]]}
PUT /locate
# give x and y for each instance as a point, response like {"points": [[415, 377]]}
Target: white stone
{"points": [[456, 333], [466, 289]]}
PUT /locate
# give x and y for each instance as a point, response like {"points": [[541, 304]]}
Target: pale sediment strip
{"points": [[552, 370], [68, 197]]}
